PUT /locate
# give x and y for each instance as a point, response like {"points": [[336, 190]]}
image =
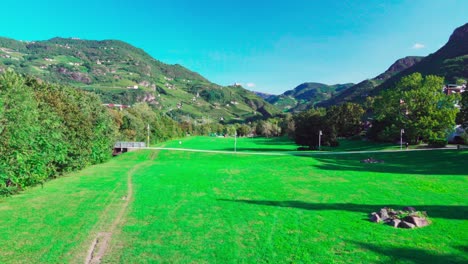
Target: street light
{"points": [[148, 136], [402, 131], [235, 141], [320, 138]]}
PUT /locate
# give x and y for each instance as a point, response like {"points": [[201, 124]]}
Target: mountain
{"points": [[123, 74], [306, 95], [358, 92], [450, 61], [263, 95]]}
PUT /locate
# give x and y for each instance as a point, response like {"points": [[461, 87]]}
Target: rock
{"points": [[375, 217], [406, 218], [384, 214], [417, 221], [404, 224], [392, 213], [409, 209], [394, 222]]}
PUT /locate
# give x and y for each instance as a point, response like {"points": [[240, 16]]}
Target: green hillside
{"points": [[306, 96], [358, 92], [450, 61], [121, 73]]}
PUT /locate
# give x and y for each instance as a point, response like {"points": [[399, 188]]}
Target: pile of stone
{"points": [[406, 218], [371, 160]]}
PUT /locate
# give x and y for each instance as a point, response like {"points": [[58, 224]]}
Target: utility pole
{"points": [[147, 140], [235, 141], [402, 131], [320, 138]]}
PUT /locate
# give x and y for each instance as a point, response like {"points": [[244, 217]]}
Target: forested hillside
{"points": [[450, 62], [359, 92], [306, 95]]}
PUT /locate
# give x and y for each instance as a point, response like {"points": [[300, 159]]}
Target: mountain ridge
{"points": [[450, 61], [358, 92], [306, 95]]}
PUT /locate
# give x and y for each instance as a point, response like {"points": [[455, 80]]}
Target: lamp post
{"points": [[147, 139], [402, 131], [320, 138], [235, 141]]}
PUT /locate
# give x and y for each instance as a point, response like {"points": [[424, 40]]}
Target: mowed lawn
{"points": [[230, 208]]}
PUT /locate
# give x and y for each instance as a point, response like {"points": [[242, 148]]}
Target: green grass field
{"points": [[192, 207]]}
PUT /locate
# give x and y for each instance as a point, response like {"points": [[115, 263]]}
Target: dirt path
{"points": [[101, 243]]}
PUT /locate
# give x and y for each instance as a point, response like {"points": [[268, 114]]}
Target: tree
{"points": [[346, 118], [308, 126], [462, 116], [287, 126], [417, 105], [264, 128], [243, 130]]}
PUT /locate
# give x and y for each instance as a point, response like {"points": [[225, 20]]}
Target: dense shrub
{"points": [[437, 142], [47, 129]]}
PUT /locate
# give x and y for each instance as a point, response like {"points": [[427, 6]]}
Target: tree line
{"points": [[416, 109], [48, 129]]}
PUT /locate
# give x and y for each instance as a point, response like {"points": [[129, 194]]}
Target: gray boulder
{"points": [[374, 217], [404, 224], [384, 214], [394, 222], [417, 221]]}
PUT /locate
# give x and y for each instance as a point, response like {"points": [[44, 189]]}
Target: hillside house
{"points": [[120, 106], [454, 88]]}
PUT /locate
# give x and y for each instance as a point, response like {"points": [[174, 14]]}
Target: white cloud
{"points": [[250, 85], [418, 46]]}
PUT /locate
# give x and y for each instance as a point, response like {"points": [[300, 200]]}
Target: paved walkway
{"points": [[298, 153]]}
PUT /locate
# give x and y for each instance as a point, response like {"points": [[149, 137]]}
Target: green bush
{"points": [[7, 191], [437, 142]]}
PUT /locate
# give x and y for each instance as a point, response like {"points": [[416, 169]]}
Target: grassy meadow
{"points": [[194, 207]]}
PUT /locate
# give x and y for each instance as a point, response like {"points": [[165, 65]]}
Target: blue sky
{"points": [[270, 46]]}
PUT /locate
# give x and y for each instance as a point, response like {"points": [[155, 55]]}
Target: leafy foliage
{"points": [[310, 124], [437, 142], [462, 116], [346, 118], [48, 129], [418, 106]]}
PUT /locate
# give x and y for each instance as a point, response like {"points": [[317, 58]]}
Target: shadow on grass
{"points": [[411, 255], [261, 149], [437, 211], [431, 162], [274, 141]]}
